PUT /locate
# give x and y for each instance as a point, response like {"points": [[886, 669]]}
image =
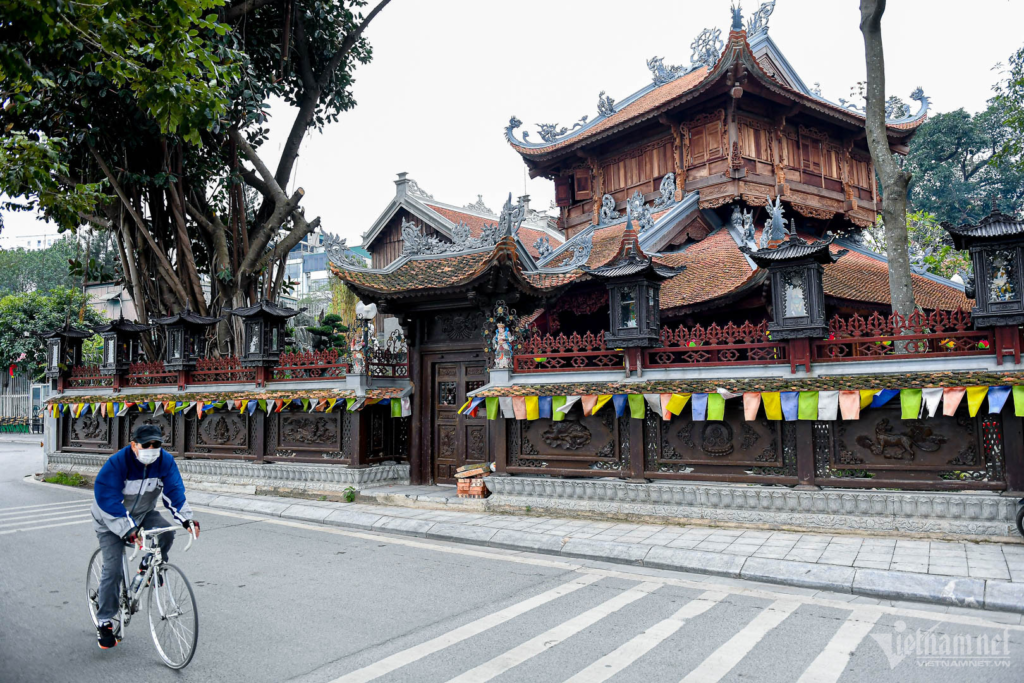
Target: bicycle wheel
{"points": [[173, 619], [92, 591]]}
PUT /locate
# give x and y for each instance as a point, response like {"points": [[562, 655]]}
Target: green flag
{"points": [[910, 401], [1018, 401], [716, 407], [492, 407], [556, 403], [636, 406], [305, 403], [396, 407], [808, 405]]}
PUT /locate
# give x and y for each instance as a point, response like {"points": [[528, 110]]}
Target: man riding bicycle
{"points": [[127, 489]]}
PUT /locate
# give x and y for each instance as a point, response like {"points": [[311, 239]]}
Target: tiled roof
{"points": [[550, 280], [916, 380], [792, 250], [715, 267], [635, 109], [859, 277], [428, 273], [993, 226], [606, 244], [527, 235]]}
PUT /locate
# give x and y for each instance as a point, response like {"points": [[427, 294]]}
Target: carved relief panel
{"points": [[88, 432], [220, 434], [165, 422], [577, 442]]}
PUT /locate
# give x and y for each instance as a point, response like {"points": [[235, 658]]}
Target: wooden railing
{"points": [[746, 344], [309, 365], [544, 353], [88, 377], [224, 370], [150, 374], [938, 334], [391, 359]]}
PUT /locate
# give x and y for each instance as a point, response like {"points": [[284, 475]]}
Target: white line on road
{"points": [[47, 526], [43, 505], [553, 636], [45, 513], [413, 654], [829, 665], [614, 662], [22, 522], [722, 660]]}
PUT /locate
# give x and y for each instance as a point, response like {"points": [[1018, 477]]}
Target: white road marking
{"points": [[709, 584], [45, 513], [413, 654], [722, 660], [829, 665], [553, 636], [44, 505], [614, 662], [46, 526], [22, 522]]}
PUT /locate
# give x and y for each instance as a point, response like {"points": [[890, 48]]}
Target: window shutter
{"points": [[582, 178], [563, 191], [714, 140], [698, 146]]}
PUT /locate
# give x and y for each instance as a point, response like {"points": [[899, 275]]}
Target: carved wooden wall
{"points": [[577, 446], [89, 433], [223, 434]]}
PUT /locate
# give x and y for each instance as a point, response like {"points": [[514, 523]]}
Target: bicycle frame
{"points": [[129, 600]]}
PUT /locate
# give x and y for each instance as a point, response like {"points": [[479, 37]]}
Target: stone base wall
{"points": [[975, 514]]}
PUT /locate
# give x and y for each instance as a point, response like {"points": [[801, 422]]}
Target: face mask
{"points": [[148, 456]]}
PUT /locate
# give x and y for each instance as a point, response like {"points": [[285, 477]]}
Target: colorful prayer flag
{"points": [[519, 407], [883, 397], [807, 407], [751, 404], [866, 397], [850, 404], [532, 408], [772, 404], [951, 397], [588, 404], [910, 403], [930, 399], [677, 403], [716, 406], [601, 401], [544, 407], [619, 402], [507, 409], [997, 398], [491, 402], [557, 403], [636, 406], [699, 405], [975, 395], [828, 405]]}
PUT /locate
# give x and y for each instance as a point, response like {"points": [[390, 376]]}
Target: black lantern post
{"points": [[264, 325], [121, 345], [63, 352], [634, 291], [185, 332], [996, 245], [795, 267]]}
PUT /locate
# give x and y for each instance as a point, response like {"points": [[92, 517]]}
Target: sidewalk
{"points": [[979, 575]]}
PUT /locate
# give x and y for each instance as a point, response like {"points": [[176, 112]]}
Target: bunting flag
{"points": [[262, 404], [199, 409], [1018, 401], [910, 404], [951, 398], [975, 395], [507, 411], [406, 406], [772, 404], [532, 407], [930, 401], [557, 403], [636, 406], [588, 405], [654, 401], [997, 398], [619, 403], [465, 406], [601, 401], [253, 405], [828, 405], [866, 397], [95, 407], [807, 405], [357, 404], [664, 400], [751, 404], [790, 405], [396, 407], [544, 407], [699, 404], [570, 401], [331, 403], [677, 403], [726, 394], [519, 407], [716, 406], [158, 409], [491, 403]]}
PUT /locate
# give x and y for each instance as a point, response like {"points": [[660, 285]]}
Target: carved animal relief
{"points": [[570, 435]]}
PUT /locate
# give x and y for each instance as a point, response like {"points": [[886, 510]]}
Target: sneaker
{"points": [[105, 636]]}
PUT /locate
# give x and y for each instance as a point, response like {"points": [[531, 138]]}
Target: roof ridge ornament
{"points": [[417, 243], [707, 48], [637, 206], [774, 233], [605, 105], [608, 212], [759, 22], [579, 253], [511, 217], [543, 247], [667, 191], [479, 206], [338, 252], [415, 190], [737, 16], [661, 74]]}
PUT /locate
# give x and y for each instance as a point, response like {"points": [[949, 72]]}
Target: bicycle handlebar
{"points": [[144, 533]]}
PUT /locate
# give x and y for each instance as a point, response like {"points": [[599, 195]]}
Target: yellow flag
{"points": [[533, 407], [772, 401], [975, 397], [601, 400], [677, 403], [866, 397]]}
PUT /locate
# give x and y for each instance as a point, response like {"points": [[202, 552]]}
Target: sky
{"points": [[447, 75]]}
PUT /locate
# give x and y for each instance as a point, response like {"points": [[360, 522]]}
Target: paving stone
{"points": [[906, 586], [804, 574], [718, 564], [918, 568], [1001, 595], [871, 564], [461, 532], [229, 503], [609, 551], [352, 518], [839, 560], [526, 541], [267, 507], [683, 543], [1002, 574], [409, 527], [309, 513], [772, 553]]}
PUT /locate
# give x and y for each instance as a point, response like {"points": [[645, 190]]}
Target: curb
{"points": [[987, 594]]}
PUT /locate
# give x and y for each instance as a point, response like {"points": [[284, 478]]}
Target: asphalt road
{"points": [[290, 601]]}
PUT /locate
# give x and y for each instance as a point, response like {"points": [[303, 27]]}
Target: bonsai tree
{"points": [[328, 333]]}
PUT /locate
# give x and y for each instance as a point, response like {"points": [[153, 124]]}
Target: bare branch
{"points": [[347, 45], [272, 185]]}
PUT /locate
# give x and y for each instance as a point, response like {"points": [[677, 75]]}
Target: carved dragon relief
{"points": [[308, 429], [570, 435], [893, 445]]}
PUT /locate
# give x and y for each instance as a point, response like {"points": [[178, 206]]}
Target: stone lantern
{"points": [[264, 325], [634, 289], [121, 345], [63, 351], [996, 245], [185, 334], [795, 268]]}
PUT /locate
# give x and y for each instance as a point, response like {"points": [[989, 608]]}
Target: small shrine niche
{"points": [[186, 336], [122, 345], [264, 326], [995, 245], [63, 350]]}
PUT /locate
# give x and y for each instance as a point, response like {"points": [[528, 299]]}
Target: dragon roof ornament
{"points": [[511, 218], [707, 48], [637, 208], [661, 74], [479, 206], [605, 105], [896, 111], [579, 253], [415, 190], [338, 252], [759, 22], [416, 243]]}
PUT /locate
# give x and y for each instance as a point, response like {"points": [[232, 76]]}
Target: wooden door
{"points": [[457, 439]]}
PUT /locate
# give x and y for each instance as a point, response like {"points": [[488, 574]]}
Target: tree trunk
{"points": [[895, 180]]}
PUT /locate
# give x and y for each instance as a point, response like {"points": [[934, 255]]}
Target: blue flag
{"points": [[790, 405]]}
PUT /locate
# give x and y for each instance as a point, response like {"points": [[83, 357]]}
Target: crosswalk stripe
{"points": [[23, 522], [45, 505], [413, 654], [722, 660], [45, 513], [614, 662], [47, 526], [553, 636], [829, 665]]}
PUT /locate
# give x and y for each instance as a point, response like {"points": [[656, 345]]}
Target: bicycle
{"points": [[171, 604]]}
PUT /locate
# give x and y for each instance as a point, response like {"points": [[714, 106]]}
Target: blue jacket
{"points": [[126, 490]]}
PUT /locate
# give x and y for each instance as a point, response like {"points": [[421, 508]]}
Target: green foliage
{"points": [[1010, 98], [66, 479], [928, 248], [35, 313], [350, 494], [24, 270], [329, 333], [958, 169]]}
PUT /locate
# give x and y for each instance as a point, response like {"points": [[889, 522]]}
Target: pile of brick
{"points": [[471, 480]]}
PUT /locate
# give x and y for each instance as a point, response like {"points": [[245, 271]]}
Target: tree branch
{"points": [[240, 9], [347, 45]]}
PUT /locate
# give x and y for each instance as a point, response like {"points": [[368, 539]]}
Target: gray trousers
{"points": [[113, 548]]}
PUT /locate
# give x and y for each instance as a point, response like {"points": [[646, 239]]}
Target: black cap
{"points": [[148, 434]]}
